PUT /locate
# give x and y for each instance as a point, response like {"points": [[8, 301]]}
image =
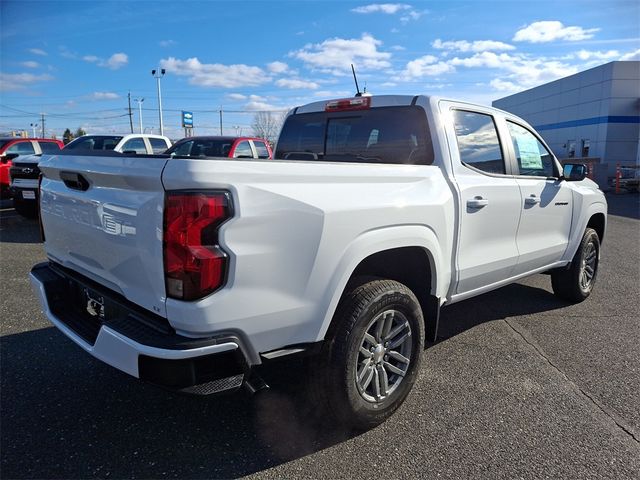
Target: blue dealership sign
{"points": [[187, 119]]}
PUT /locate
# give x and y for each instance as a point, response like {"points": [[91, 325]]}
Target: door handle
{"points": [[477, 202], [532, 200], [75, 181]]}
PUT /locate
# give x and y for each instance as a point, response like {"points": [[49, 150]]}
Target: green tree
{"points": [[79, 132], [67, 136]]}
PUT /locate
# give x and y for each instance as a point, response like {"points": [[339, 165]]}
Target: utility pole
{"points": [[130, 114], [158, 74], [220, 120], [42, 122]]}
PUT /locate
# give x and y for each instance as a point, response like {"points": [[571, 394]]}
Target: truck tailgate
{"points": [[102, 217]]}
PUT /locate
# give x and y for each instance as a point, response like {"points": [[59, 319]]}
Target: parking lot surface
{"points": [[519, 384]]}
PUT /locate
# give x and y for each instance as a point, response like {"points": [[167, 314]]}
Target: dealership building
{"points": [[592, 115]]}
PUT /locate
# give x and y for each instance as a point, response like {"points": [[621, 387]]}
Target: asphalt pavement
{"points": [[518, 385]]}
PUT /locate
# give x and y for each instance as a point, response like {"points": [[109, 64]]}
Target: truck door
{"points": [[546, 205], [489, 199]]}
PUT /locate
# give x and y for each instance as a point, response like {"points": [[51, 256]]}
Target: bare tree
{"points": [[267, 125]]}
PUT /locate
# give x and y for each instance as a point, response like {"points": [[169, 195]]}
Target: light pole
{"points": [[140, 100], [34, 126], [238, 130], [158, 74]]}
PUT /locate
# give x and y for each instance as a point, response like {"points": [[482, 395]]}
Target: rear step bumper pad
{"points": [[127, 355]]}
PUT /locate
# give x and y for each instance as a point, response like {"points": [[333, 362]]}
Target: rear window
{"points": [[94, 142], [398, 135], [48, 147]]}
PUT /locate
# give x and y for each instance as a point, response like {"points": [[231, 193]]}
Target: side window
{"points": [[158, 145], [243, 150], [135, 144], [22, 148], [533, 158], [261, 148], [478, 141], [49, 147]]}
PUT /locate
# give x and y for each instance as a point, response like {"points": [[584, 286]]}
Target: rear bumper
{"points": [[135, 341]]}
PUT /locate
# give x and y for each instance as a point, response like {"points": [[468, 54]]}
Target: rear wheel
{"points": [[576, 282], [372, 355]]}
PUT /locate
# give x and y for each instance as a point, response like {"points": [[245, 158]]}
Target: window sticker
{"points": [[529, 154]]}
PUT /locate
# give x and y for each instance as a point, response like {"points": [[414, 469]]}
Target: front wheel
{"points": [[576, 282], [372, 354]]}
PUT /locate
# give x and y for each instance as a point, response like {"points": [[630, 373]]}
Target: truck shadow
{"points": [[16, 229], [67, 415]]}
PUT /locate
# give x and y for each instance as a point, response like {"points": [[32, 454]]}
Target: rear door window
{"points": [[243, 150], [49, 147], [158, 145], [478, 141], [261, 149], [136, 145], [396, 135]]}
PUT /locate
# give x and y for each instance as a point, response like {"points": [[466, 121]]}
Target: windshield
{"points": [[379, 135], [3, 143], [94, 142], [202, 147]]}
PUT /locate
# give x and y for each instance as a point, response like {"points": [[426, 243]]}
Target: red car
{"points": [[231, 147], [12, 147]]}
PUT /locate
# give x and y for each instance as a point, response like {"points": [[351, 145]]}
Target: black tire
{"points": [[26, 209], [392, 307], [576, 282]]}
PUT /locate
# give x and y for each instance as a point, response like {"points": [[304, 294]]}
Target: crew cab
{"points": [[376, 213], [25, 172], [231, 147], [12, 148]]}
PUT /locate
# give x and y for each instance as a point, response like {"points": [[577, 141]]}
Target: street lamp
{"points": [[158, 74], [34, 126], [140, 100]]}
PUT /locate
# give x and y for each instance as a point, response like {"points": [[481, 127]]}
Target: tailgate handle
{"points": [[74, 181]]}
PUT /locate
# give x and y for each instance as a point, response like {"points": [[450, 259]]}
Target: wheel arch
{"points": [[410, 255]]}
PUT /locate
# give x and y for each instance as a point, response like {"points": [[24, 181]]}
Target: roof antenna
{"points": [[355, 79]]}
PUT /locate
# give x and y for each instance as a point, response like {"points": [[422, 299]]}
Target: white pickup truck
{"points": [[378, 211]]}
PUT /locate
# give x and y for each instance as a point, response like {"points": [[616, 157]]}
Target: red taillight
{"points": [[357, 103], [194, 263]]}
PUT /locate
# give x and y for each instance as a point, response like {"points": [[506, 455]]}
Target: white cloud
{"points": [[550, 30], [631, 56], [475, 46], [90, 58], [30, 64], [505, 86], [519, 71], [333, 94], [115, 61], [215, 74], [258, 103], [296, 84], [411, 15], [388, 8], [426, 66], [104, 96], [237, 96], [277, 67], [336, 55], [38, 51], [597, 55], [166, 43], [20, 81]]}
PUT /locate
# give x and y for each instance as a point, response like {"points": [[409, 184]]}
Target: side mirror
{"points": [[129, 152], [8, 156], [574, 172]]}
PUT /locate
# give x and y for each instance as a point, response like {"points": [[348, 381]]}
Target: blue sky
{"points": [[77, 60]]}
